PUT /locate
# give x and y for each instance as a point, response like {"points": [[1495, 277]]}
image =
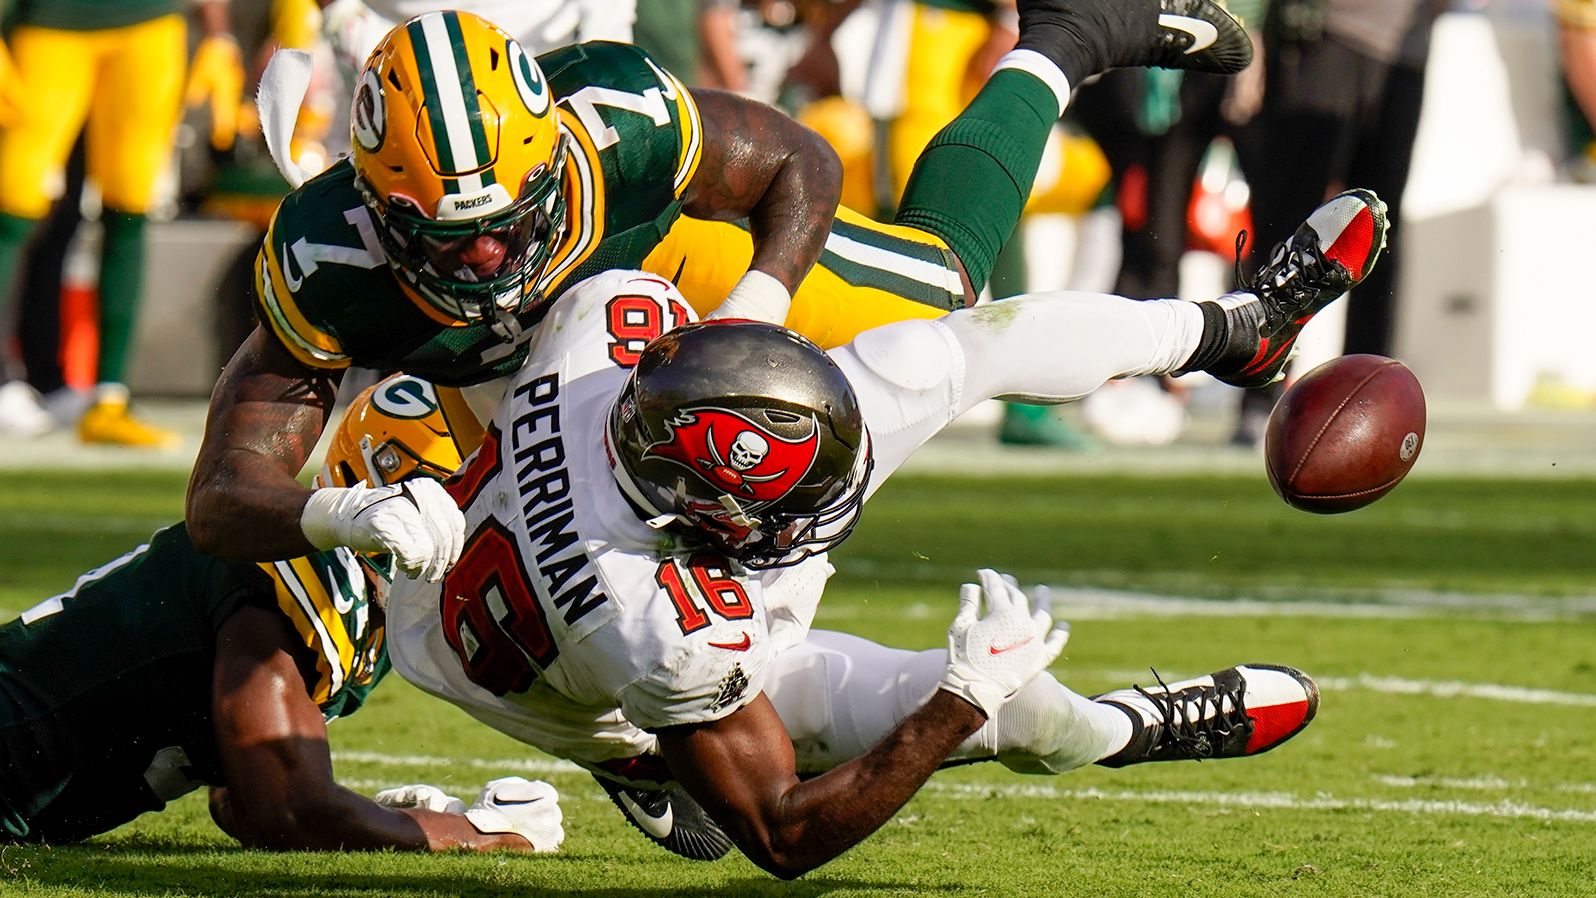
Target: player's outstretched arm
{"points": [[761, 165], [742, 770], [266, 414], [280, 792]]}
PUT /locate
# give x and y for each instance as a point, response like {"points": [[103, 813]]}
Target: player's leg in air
{"points": [[969, 186], [913, 377]]}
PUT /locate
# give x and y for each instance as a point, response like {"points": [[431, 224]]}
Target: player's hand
{"points": [[420, 796], [10, 89], [528, 808], [216, 80], [990, 658], [416, 520]]}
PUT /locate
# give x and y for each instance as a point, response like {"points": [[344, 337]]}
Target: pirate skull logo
{"points": [[748, 450]]}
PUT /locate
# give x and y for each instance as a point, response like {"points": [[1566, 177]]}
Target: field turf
{"points": [[1452, 627]]}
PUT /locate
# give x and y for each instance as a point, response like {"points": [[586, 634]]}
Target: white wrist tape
{"points": [[758, 297]]}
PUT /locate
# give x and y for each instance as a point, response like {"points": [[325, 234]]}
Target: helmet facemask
{"points": [[441, 260]]}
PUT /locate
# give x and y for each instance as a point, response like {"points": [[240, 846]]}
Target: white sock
{"points": [[1048, 728], [1043, 69]]}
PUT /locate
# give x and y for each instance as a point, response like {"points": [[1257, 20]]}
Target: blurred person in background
{"points": [[1157, 128], [1343, 85], [354, 27], [1576, 32], [946, 49], [120, 68]]}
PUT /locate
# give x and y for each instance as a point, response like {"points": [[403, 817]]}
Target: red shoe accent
{"points": [[1353, 245], [1274, 723]]}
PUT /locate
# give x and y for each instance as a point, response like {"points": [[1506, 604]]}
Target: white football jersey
{"points": [[568, 622]]}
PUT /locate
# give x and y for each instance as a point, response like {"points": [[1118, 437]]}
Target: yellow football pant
{"points": [[869, 274], [126, 83]]}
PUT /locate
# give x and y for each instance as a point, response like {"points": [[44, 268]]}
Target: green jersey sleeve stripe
{"points": [[329, 650], [269, 303]]}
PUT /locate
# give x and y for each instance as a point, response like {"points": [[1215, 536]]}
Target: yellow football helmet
{"points": [[458, 153], [391, 431]]}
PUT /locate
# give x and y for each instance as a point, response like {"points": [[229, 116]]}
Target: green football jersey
{"points": [[323, 285], [105, 690]]}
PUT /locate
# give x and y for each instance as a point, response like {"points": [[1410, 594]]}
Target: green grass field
{"points": [[1452, 626]]}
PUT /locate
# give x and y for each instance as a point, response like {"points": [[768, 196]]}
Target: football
{"points": [[1345, 434]]}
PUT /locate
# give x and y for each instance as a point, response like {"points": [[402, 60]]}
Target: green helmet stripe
{"points": [[468, 91], [432, 102]]}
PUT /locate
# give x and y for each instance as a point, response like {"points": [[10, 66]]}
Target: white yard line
{"points": [[1269, 800], [509, 765], [1086, 603], [972, 791]]}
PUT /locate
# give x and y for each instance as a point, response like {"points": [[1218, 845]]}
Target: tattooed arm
{"points": [[267, 412], [761, 165]]}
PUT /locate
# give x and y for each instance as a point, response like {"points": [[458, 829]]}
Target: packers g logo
{"points": [[405, 397], [528, 77], [368, 116]]}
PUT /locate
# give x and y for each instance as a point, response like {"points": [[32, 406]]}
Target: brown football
{"points": [[1345, 434]]}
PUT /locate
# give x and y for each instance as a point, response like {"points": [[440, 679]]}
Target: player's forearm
{"points": [[244, 500], [761, 165], [344, 821], [821, 818], [244, 507]]}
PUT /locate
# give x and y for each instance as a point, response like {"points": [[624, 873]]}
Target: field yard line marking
{"points": [[1270, 800], [1489, 782], [1086, 603], [526, 765], [1456, 689], [1403, 686]]}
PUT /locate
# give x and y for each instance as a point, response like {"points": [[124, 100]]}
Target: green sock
{"points": [[121, 280], [14, 234], [971, 182], [1009, 274]]}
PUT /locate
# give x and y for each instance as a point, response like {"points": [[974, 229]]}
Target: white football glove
{"points": [[422, 797], [528, 808], [991, 658], [416, 520]]}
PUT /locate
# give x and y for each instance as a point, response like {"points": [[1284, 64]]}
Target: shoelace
{"points": [[1196, 735], [1300, 273]]}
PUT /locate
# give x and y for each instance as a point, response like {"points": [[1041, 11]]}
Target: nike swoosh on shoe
{"points": [[658, 827], [1203, 33]]}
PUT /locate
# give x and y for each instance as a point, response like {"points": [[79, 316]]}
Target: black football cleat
{"points": [[1231, 713], [1332, 252], [671, 819], [1085, 37]]}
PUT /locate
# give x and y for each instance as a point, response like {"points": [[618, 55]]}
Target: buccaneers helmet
{"points": [[745, 432], [458, 154], [391, 431]]}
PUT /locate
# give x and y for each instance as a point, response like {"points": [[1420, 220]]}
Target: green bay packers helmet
{"points": [[746, 433], [458, 154], [392, 431]]}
